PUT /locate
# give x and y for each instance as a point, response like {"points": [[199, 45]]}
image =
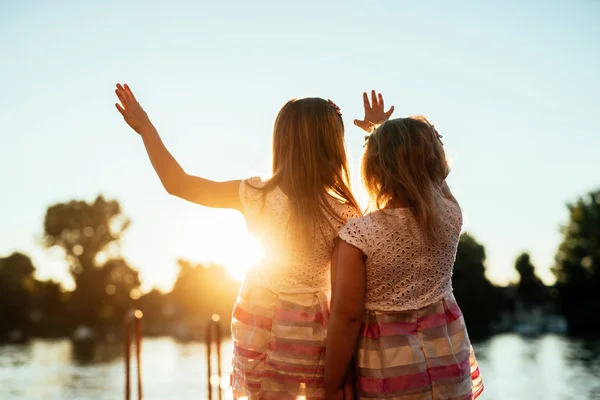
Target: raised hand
{"points": [[374, 114], [130, 109]]}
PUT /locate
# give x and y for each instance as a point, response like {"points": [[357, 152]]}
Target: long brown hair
{"points": [[309, 161], [405, 163]]}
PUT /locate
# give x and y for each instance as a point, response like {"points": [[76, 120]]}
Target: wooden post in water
{"points": [[133, 317], [127, 359], [218, 342], [138, 352], [213, 326], [208, 357]]}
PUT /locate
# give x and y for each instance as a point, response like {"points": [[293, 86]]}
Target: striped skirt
{"points": [[279, 344], [417, 355]]}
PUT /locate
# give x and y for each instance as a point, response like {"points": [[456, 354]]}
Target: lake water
{"points": [[513, 368]]}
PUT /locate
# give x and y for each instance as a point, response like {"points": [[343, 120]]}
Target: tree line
{"points": [[106, 286]]}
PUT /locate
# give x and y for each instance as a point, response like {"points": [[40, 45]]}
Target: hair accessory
{"points": [[337, 109], [366, 141], [436, 133], [371, 131]]}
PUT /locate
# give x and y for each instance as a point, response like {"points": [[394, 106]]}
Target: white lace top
{"points": [[285, 268], [403, 270]]}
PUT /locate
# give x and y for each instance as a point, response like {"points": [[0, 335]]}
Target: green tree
{"points": [[479, 300], [530, 289], [89, 235], [49, 315], [577, 267], [27, 305], [156, 308], [201, 291], [16, 289], [108, 292]]}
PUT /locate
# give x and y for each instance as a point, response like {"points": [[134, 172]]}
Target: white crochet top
{"points": [[286, 268], [403, 270]]}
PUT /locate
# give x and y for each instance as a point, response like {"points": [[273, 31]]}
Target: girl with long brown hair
{"points": [[392, 307], [280, 318]]}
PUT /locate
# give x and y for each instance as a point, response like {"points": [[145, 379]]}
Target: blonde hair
{"points": [[309, 161], [404, 163]]}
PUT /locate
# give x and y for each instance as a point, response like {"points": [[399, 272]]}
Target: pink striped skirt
{"points": [[417, 355], [279, 344]]}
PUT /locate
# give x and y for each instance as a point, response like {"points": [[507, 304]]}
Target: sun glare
{"points": [[238, 255], [247, 255], [214, 237]]}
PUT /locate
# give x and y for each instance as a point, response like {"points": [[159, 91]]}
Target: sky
{"points": [[514, 88]]}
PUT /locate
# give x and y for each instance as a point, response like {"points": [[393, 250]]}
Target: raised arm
{"points": [[346, 317], [349, 391], [374, 112], [172, 176]]}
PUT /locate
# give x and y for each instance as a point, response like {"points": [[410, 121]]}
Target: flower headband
{"points": [[436, 132], [337, 109]]}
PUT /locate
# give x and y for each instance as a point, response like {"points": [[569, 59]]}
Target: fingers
{"points": [[389, 112], [364, 125], [122, 97], [360, 124], [380, 100], [366, 101], [126, 96], [121, 89], [124, 93], [130, 93], [120, 109], [373, 99]]}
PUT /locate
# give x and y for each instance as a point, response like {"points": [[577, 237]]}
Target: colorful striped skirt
{"points": [[279, 344], [417, 355]]}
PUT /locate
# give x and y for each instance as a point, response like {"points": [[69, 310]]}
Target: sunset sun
{"points": [[248, 253], [217, 237]]}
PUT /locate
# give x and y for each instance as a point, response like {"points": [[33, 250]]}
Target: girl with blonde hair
{"points": [[393, 310], [281, 314]]}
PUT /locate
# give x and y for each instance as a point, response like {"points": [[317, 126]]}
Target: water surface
{"points": [[513, 368]]}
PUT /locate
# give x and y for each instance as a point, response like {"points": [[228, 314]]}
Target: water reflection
{"points": [[549, 367]]}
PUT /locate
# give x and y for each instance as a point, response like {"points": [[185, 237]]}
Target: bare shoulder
{"points": [[349, 249]]}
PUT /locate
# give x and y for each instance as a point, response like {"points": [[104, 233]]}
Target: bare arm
{"points": [[346, 316], [188, 187], [172, 176], [350, 378]]}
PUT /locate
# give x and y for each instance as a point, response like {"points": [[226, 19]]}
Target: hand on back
{"points": [[130, 109], [374, 112]]}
